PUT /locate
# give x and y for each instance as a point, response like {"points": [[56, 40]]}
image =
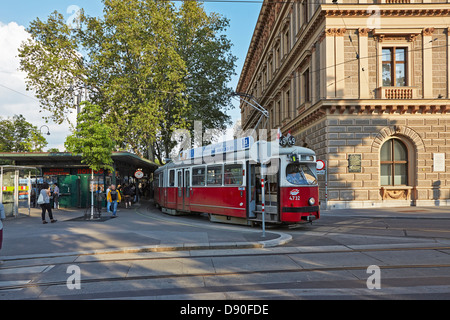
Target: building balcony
{"points": [[396, 93], [398, 1]]}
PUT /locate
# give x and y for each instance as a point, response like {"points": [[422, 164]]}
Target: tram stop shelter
{"points": [[15, 189], [74, 177]]}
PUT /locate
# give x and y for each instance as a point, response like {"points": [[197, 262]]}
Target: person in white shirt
{"points": [[44, 201]]}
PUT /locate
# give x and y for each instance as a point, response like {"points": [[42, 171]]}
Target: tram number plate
{"points": [[294, 194]]}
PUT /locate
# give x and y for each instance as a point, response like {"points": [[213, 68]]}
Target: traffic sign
{"points": [[139, 174], [320, 165]]}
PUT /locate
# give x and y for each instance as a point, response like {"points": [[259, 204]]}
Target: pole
{"points": [[29, 192], [16, 193], [326, 185], [1, 185], [263, 167], [92, 194]]}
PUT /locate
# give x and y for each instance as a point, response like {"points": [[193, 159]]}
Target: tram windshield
{"points": [[300, 174]]}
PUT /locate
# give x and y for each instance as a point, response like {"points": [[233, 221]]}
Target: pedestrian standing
{"points": [[108, 203], [2, 217], [44, 201], [127, 196], [113, 197], [56, 196]]}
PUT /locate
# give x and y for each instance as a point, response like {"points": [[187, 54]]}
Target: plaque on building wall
{"points": [[354, 163], [438, 162]]}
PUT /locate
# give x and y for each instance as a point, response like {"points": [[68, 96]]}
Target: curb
{"points": [[382, 216], [283, 239]]}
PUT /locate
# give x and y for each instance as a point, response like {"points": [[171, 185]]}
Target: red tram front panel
{"points": [[296, 205]]}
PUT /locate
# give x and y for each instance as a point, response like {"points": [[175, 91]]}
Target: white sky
{"points": [[14, 99]]}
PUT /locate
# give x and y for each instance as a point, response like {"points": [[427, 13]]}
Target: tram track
{"points": [[244, 253], [150, 274], [218, 274], [404, 231], [384, 228], [299, 269]]}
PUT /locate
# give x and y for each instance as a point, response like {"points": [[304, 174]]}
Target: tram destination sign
{"points": [[240, 144]]}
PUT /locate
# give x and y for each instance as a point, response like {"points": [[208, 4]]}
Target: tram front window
{"points": [[300, 174]]}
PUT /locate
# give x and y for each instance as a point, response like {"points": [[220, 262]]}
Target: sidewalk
{"points": [[442, 212], [144, 228], [139, 229]]}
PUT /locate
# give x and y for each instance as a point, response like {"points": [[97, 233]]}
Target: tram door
{"points": [[187, 190], [255, 192], [251, 191], [183, 193]]}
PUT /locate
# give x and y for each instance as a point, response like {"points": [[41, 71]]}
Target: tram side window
{"points": [[172, 178], [214, 175], [198, 176], [161, 179], [232, 174], [180, 179]]}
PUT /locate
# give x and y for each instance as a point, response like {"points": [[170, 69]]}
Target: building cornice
{"points": [[368, 107], [387, 10], [328, 11]]}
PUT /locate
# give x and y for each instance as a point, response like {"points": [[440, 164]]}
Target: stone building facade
{"points": [[366, 85]]}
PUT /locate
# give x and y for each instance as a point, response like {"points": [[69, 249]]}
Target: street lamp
{"points": [[48, 130]]}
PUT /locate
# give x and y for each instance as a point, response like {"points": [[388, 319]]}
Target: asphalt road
{"points": [[365, 255]]}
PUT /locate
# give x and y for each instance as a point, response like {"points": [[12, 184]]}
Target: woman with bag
{"points": [[44, 201]]}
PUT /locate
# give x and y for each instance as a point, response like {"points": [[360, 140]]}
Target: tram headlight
{"points": [[312, 201]]}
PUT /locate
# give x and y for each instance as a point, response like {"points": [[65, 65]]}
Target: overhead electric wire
{"points": [[18, 92], [258, 87]]}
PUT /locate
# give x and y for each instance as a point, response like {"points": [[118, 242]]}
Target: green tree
{"points": [[92, 138], [53, 64], [132, 54], [152, 67], [18, 135], [209, 67]]}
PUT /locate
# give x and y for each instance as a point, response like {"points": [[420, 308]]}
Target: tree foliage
{"points": [[152, 67], [92, 139], [18, 135]]}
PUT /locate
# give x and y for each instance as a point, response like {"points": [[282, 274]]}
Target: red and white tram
{"points": [[225, 182]]}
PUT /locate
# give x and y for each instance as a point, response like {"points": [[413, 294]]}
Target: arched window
{"points": [[394, 163]]}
